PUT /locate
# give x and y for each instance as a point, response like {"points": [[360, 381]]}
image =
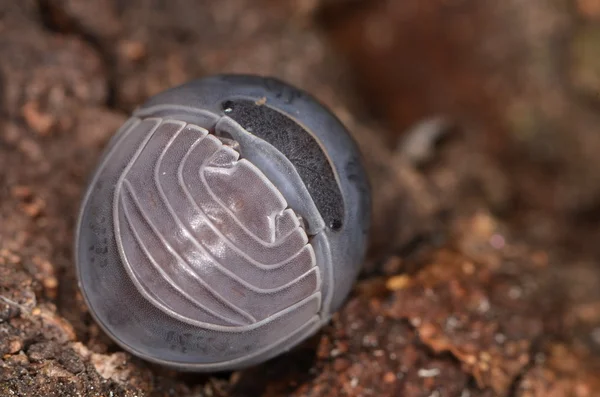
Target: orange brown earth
{"points": [[483, 277]]}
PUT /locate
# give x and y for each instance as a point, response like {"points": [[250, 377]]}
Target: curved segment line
{"points": [[121, 134], [116, 223], [250, 234], [187, 267], [207, 326], [224, 207], [198, 244], [267, 244], [243, 327], [116, 193], [266, 181], [231, 244], [157, 111], [166, 277], [166, 112], [329, 269]]}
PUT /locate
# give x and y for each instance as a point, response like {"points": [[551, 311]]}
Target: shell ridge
{"points": [[185, 266], [274, 243], [198, 244], [116, 193], [151, 133], [282, 204], [265, 249], [233, 246], [163, 306], [228, 240], [232, 127], [216, 199], [328, 268], [224, 269], [285, 288]]}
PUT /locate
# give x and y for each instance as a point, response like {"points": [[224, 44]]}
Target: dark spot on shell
{"points": [[227, 107], [335, 224]]}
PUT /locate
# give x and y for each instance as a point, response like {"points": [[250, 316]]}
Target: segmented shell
{"points": [[205, 236], [225, 222]]}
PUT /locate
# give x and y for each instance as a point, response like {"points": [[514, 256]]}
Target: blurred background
{"points": [[479, 121]]}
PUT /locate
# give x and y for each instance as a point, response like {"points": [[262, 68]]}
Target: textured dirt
{"points": [[479, 124]]}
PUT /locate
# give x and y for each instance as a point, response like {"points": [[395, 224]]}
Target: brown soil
{"points": [[483, 277]]}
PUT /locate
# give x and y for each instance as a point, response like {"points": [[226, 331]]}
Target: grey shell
{"points": [[224, 224]]}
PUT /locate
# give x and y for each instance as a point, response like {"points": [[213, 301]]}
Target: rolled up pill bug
{"points": [[226, 221]]}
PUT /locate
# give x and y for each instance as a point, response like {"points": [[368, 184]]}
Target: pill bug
{"points": [[224, 224]]}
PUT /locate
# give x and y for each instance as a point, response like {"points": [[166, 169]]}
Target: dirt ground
{"points": [[479, 121]]}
